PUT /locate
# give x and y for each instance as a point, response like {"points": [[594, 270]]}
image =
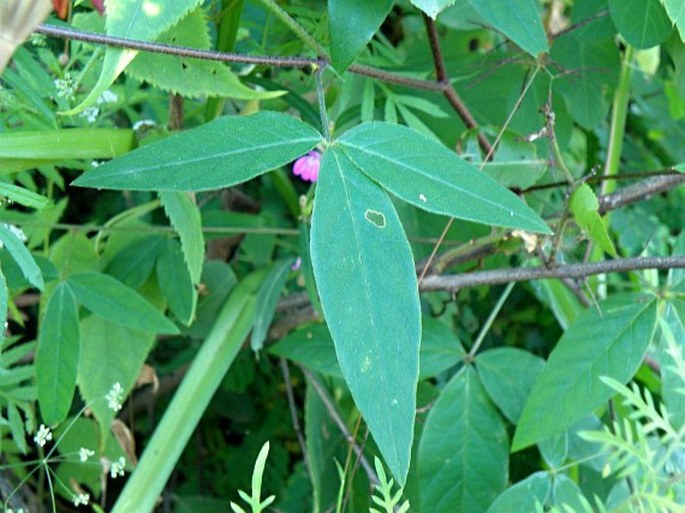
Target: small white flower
{"points": [[117, 468], [38, 39], [84, 454], [95, 163], [115, 397], [43, 436], [91, 114], [65, 87], [143, 123], [107, 97], [81, 499]]}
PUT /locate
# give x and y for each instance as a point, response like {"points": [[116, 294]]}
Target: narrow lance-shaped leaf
{"points": [[352, 25], [426, 174], [222, 153], [112, 300], [22, 256], [365, 274], [184, 215], [174, 281], [267, 300], [57, 355], [568, 388]]}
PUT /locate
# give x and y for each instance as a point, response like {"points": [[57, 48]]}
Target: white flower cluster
{"points": [[107, 97], [115, 397], [91, 114], [65, 87], [82, 499], [117, 468], [84, 454], [43, 436]]}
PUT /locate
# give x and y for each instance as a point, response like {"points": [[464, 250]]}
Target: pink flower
{"points": [[98, 4], [307, 167]]}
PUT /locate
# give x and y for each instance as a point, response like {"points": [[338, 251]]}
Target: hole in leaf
{"points": [[375, 217]]}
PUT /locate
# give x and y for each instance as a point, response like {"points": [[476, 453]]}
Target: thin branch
{"points": [[293, 412], [231, 57], [180, 51], [639, 191], [501, 276], [448, 91]]}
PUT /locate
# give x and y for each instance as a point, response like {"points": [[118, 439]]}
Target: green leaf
{"points": [[585, 209], [591, 73], [426, 174], [365, 274], [554, 450], [568, 388], [432, 7], [191, 78], [22, 256], [224, 152], [311, 346], [508, 375], [591, 26], [184, 214], [464, 450], [110, 354], [133, 19], [676, 11], [23, 196], [267, 300], [175, 283], [133, 264], [524, 495], [440, 348], [672, 381], [67, 143], [642, 23], [519, 20], [352, 24], [4, 303], [57, 356], [112, 300], [563, 303]]}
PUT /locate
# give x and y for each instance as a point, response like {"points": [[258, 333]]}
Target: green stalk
{"points": [[618, 121], [294, 26], [230, 329], [231, 11]]}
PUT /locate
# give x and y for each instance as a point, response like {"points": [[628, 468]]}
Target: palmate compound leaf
{"points": [[426, 174], [364, 271], [568, 388], [222, 153]]}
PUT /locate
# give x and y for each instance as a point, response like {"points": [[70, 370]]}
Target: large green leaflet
{"points": [[364, 270], [581, 357], [464, 451], [110, 354], [133, 19], [352, 25], [57, 355], [643, 23], [222, 153], [508, 374], [426, 174], [22, 256], [112, 300], [519, 20], [191, 78], [524, 495]]}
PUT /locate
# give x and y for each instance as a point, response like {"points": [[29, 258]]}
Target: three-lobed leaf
{"points": [[364, 271], [568, 388], [426, 174], [222, 153]]}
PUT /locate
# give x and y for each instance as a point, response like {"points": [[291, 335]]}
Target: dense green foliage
{"points": [[181, 305]]}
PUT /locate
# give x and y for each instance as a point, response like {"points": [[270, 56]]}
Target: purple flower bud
{"points": [[307, 167]]}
